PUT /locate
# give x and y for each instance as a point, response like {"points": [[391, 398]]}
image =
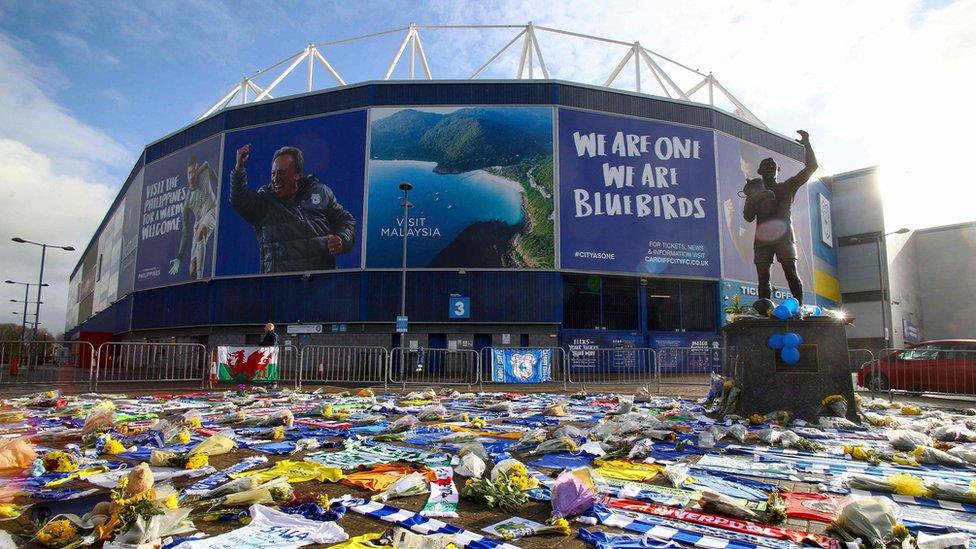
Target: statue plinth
{"points": [[768, 384]]}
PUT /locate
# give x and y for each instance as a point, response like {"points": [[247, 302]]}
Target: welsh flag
{"points": [[254, 364]]}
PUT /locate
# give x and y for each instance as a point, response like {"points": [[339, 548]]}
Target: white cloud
{"points": [[50, 207], [115, 96], [78, 46], [54, 188], [32, 117]]}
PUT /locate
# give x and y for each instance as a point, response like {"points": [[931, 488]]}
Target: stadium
{"points": [[542, 213]]}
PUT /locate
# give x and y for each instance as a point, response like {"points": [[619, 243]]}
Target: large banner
{"points": [[738, 161], [482, 187], [521, 365], [178, 216], [86, 290], [295, 204], [130, 235], [252, 364], [636, 196], [109, 256]]}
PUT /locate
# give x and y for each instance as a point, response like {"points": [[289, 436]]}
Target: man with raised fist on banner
{"points": [[299, 224]]}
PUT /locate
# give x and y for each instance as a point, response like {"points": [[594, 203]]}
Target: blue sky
{"points": [[84, 86]]}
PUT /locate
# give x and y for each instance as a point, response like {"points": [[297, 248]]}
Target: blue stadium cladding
{"points": [[498, 298]]}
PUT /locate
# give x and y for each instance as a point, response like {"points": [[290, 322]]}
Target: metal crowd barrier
{"points": [[344, 364], [856, 359], [46, 362], [611, 366], [557, 361], [949, 370], [289, 365], [120, 362], [689, 365], [434, 367]]}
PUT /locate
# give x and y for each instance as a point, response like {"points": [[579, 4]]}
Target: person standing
{"points": [[270, 338]]}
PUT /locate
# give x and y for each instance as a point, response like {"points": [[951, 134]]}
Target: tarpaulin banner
{"points": [[521, 365], [255, 364], [178, 217], [483, 182], [636, 196], [292, 196]]}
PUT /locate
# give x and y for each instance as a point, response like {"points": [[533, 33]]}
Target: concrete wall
{"points": [[903, 285], [858, 210], [857, 267], [857, 205], [946, 258]]}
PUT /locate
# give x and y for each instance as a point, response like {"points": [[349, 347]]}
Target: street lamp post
{"points": [[405, 187], [40, 280], [23, 321], [32, 323], [881, 285]]}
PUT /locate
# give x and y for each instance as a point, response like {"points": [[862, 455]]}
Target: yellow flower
{"points": [[561, 526], [901, 458], [183, 437], [900, 531], [193, 422], [57, 533], [113, 447], [278, 433], [857, 452], [172, 502], [879, 421], [827, 401], [479, 423], [728, 385], [58, 461], [911, 410], [908, 485], [519, 477], [756, 419], [9, 510], [197, 461]]}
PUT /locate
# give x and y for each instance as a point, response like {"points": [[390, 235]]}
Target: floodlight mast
{"points": [[530, 59]]}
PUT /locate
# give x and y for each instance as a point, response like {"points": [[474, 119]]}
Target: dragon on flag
{"points": [[254, 364]]}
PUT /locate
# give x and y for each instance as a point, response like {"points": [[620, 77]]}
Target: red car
{"points": [[936, 366]]}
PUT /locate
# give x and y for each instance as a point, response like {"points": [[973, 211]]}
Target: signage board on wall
{"points": [[636, 196], [826, 232]]}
